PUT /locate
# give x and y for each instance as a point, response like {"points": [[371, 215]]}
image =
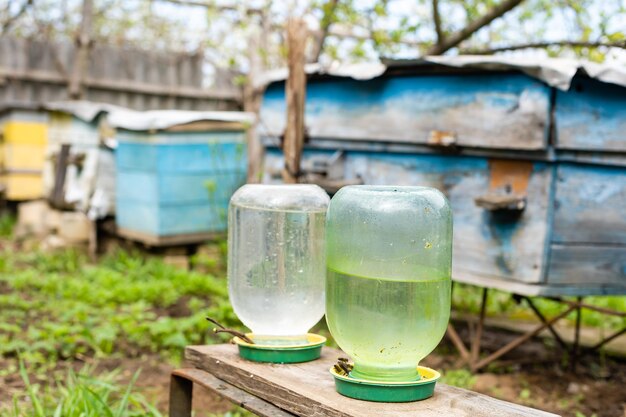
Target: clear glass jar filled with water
{"points": [[276, 259], [389, 258]]}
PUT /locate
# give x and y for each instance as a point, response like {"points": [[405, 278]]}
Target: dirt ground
{"points": [[539, 375], [536, 375]]}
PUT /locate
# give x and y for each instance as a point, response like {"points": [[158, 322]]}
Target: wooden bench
{"points": [[308, 389]]}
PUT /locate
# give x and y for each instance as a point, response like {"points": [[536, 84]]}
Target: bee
{"points": [[343, 367]]}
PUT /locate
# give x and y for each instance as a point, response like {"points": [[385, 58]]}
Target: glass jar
{"points": [[276, 258], [389, 259]]}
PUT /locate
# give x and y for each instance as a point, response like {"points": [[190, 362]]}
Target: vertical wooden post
{"points": [[295, 93], [81, 55], [252, 97], [252, 103], [181, 392]]}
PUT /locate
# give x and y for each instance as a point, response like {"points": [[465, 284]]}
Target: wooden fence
{"points": [[33, 72]]}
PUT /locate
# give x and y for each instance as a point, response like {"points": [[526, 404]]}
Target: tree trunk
{"points": [[81, 57]]}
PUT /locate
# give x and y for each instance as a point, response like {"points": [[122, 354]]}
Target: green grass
{"points": [[80, 395], [7, 223], [461, 378], [467, 298], [57, 306]]}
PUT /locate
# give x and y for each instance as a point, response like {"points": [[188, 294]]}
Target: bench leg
{"points": [[181, 390]]}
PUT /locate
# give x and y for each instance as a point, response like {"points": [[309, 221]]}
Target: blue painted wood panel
{"points": [[484, 245], [509, 111], [188, 158], [168, 220], [585, 264], [590, 205], [137, 217], [171, 183], [166, 188], [591, 116]]}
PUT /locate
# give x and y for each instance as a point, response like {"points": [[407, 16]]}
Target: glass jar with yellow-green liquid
{"points": [[389, 257]]}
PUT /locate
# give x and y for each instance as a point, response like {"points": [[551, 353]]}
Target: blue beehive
{"points": [[177, 182], [532, 161]]}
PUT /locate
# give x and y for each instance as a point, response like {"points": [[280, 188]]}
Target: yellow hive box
{"points": [[22, 186], [26, 133], [22, 157]]}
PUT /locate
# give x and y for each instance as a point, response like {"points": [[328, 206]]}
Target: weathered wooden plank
{"points": [[543, 289], [308, 390], [45, 76], [590, 205], [593, 157], [586, 157], [181, 392], [591, 116], [155, 240], [207, 125], [508, 111], [588, 264], [235, 395], [37, 71]]}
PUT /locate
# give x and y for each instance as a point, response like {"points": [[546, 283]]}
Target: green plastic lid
{"points": [[387, 392], [288, 352]]}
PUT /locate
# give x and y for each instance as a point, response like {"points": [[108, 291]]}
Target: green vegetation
{"points": [[56, 310], [467, 298], [55, 306], [7, 223], [82, 395], [461, 378]]}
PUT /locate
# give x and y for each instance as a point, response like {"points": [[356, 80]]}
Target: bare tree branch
{"points": [[6, 25], [437, 20], [320, 38], [344, 32], [337, 30], [459, 36], [573, 44]]}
